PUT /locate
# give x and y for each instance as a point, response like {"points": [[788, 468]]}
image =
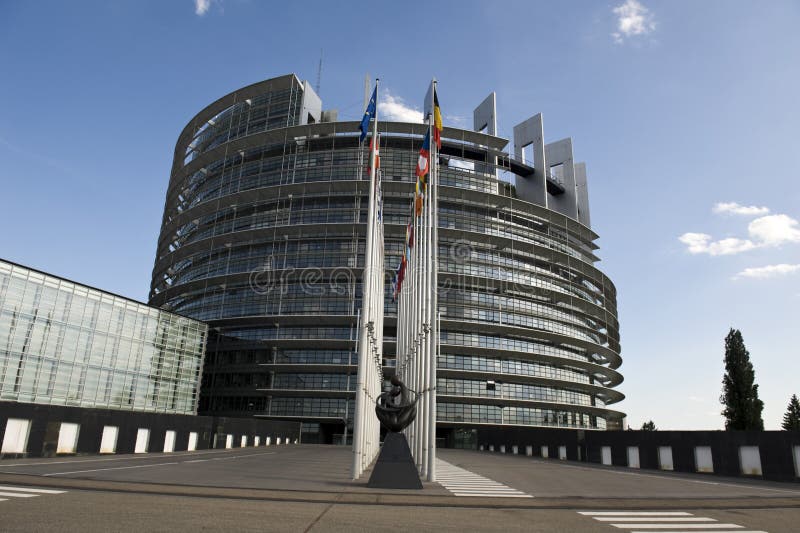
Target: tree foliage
{"points": [[649, 426], [739, 390], [791, 420]]}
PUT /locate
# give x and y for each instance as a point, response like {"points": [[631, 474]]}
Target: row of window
{"points": [[224, 357], [275, 108], [514, 391], [452, 338], [492, 414], [62, 343], [23, 302], [504, 343], [510, 366], [38, 380]]}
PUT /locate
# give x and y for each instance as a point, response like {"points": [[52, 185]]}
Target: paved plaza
{"points": [[308, 487]]}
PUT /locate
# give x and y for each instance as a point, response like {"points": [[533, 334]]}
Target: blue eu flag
{"points": [[368, 114]]}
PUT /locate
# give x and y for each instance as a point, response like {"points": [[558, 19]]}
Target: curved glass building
{"points": [[263, 238]]}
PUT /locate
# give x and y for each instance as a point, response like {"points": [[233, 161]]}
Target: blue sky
{"points": [[676, 107]]}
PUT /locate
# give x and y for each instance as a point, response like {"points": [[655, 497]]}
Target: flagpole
{"points": [[424, 248], [433, 199], [374, 283], [361, 426]]}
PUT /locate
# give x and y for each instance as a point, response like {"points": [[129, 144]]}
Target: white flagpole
{"points": [[433, 305], [415, 333], [425, 286], [420, 281], [362, 426], [376, 287]]}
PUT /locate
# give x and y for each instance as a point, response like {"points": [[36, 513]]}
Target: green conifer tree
{"points": [[739, 390], [791, 420]]}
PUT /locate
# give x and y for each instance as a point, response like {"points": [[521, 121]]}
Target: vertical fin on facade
{"points": [[311, 108], [484, 117], [582, 188], [530, 132], [484, 120], [562, 170]]}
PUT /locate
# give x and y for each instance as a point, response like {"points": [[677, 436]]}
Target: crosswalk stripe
{"points": [[26, 489], [634, 513], [462, 482], [669, 521], [474, 484], [654, 519], [492, 495], [480, 489], [9, 491], [678, 526]]}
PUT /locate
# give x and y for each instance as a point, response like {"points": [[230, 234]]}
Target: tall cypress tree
{"points": [[791, 420], [739, 391]]}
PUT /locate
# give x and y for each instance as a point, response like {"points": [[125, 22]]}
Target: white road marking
{"points": [[126, 457], [462, 482], [487, 495], [653, 519], [678, 526], [10, 491], [26, 489], [155, 464], [673, 521], [102, 469], [634, 513]]}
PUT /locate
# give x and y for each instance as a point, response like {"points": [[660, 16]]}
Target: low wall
{"points": [[773, 455], [45, 423]]}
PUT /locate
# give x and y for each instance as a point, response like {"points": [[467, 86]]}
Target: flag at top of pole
{"points": [[424, 157], [437, 120], [368, 114]]}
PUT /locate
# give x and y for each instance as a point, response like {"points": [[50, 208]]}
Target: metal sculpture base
{"points": [[395, 468]]}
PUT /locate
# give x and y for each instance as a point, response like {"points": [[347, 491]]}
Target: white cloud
{"points": [[769, 271], [456, 119], [763, 232], [732, 208], [774, 230], [201, 6], [633, 19], [394, 108], [701, 243]]}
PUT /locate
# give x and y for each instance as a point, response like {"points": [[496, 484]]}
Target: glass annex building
{"points": [[263, 238], [62, 343]]}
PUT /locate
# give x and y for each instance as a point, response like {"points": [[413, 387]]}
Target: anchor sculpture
{"points": [[395, 467], [395, 408]]}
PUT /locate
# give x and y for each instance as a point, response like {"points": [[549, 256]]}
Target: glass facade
{"points": [[62, 343], [263, 237]]}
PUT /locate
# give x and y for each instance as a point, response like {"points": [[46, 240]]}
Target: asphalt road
{"points": [[307, 488]]}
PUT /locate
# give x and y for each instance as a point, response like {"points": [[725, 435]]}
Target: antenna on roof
{"points": [[319, 72]]}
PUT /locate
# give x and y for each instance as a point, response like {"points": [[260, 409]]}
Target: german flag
{"points": [[437, 120]]}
